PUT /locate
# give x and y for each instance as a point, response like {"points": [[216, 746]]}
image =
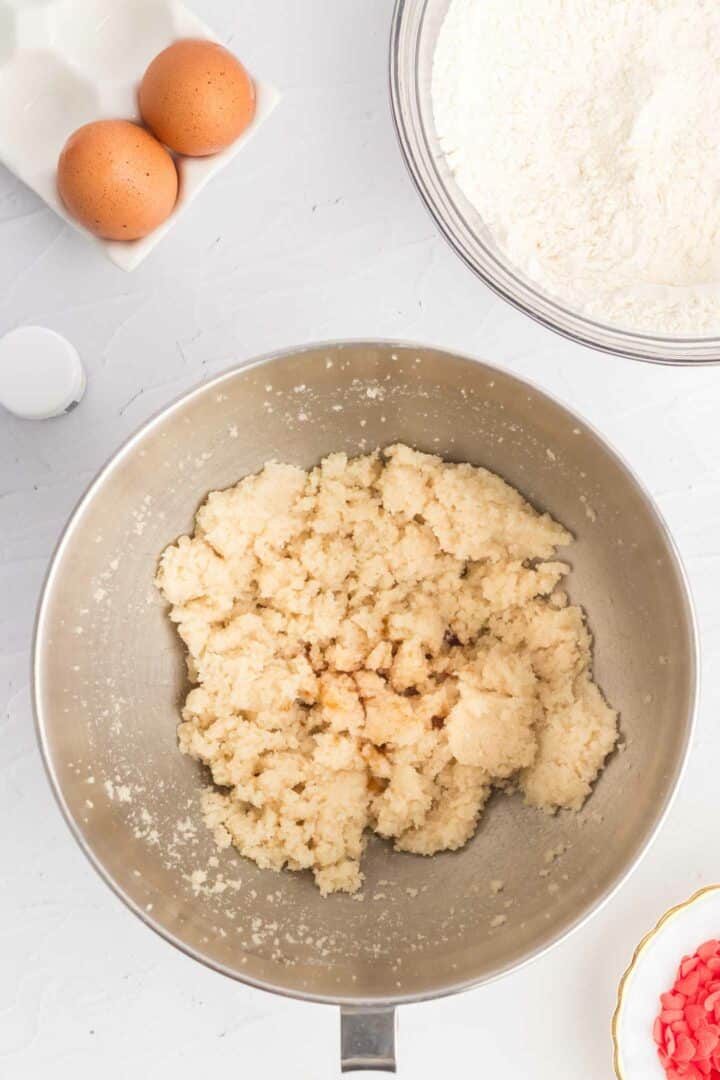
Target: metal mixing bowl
{"points": [[415, 30], [109, 677]]}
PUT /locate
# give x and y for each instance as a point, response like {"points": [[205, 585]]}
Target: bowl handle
{"points": [[368, 1038]]}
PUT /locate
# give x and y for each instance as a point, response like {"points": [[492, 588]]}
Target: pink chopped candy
{"points": [[707, 1041], [689, 985], [686, 1049], [695, 1015], [687, 1027]]}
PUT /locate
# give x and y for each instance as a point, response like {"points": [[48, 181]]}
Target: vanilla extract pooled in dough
{"points": [[375, 644]]}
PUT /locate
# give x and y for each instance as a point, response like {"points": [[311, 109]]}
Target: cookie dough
{"points": [[377, 644]]}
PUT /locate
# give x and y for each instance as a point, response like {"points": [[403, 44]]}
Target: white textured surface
{"points": [[341, 248]]}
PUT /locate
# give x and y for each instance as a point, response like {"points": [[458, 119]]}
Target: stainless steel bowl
{"points": [[109, 676], [415, 30]]}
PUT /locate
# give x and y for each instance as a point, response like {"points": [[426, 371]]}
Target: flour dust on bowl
{"points": [[562, 152], [109, 679]]}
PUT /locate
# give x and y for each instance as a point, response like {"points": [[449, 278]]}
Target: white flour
{"points": [[587, 135]]}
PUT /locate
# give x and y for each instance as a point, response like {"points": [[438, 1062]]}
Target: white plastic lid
{"points": [[41, 374]]}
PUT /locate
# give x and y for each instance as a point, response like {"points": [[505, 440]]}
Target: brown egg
{"points": [[117, 180], [197, 97]]}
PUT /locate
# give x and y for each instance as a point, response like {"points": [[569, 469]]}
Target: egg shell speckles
{"points": [[117, 180], [197, 98]]}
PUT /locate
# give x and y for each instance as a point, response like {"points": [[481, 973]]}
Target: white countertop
{"points": [[313, 233]]}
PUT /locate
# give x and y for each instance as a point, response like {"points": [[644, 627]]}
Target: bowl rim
{"points": [[644, 943], [626, 342], [125, 448]]}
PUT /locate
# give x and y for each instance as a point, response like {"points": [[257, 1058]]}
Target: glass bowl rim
{"points": [[568, 323]]}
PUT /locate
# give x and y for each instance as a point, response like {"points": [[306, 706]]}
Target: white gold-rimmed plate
{"points": [[651, 973]]}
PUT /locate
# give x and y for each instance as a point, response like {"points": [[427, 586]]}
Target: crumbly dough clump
{"points": [[376, 644]]}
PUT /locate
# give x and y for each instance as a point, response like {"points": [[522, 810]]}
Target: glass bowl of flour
{"points": [[570, 153]]}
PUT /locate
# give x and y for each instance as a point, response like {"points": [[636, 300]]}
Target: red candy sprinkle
{"points": [[687, 1028], [689, 985]]}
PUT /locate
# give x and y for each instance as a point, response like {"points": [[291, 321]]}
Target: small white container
{"points": [[65, 63], [41, 374]]}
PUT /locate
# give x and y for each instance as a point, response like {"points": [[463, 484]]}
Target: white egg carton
{"points": [[64, 63]]}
